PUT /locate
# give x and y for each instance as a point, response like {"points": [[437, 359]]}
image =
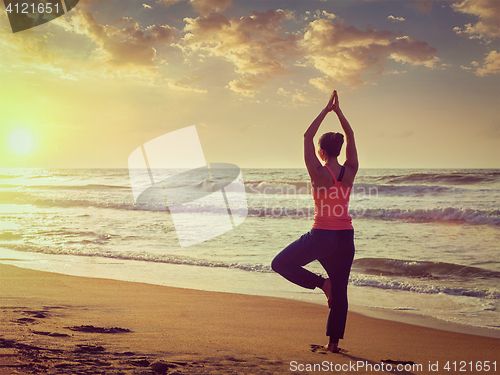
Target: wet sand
{"points": [[59, 324]]}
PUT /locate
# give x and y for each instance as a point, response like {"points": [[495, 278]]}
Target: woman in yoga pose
{"points": [[331, 239]]}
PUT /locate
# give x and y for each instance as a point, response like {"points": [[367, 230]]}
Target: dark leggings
{"points": [[334, 249]]}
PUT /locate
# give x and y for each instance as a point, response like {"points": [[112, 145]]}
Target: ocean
{"points": [[427, 241]]}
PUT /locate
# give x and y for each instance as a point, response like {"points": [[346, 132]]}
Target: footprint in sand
{"points": [[320, 349], [92, 329]]}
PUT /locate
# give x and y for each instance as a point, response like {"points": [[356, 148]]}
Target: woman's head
{"points": [[331, 143]]}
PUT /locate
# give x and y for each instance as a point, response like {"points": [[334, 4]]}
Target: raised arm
{"points": [[351, 161], [314, 167], [319, 175]]}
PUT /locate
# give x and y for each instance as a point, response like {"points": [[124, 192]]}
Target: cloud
{"points": [[491, 65], [345, 53], [185, 84], [123, 49], [127, 47], [396, 19], [207, 31], [261, 49], [29, 50], [124, 21], [325, 14], [256, 45], [204, 7], [299, 97], [89, 3], [488, 12], [168, 2], [413, 51]]}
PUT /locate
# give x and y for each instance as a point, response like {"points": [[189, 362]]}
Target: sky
{"points": [[418, 80]]}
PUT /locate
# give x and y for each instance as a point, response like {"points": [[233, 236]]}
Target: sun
{"points": [[21, 141]]}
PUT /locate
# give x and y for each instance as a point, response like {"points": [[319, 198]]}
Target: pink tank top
{"points": [[331, 206]]}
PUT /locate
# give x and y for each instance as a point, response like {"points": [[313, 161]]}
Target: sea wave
{"points": [[417, 215], [284, 188], [373, 190], [445, 214], [392, 274], [359, 190], [87, 203], [14, 196], [382, 282], [10, 236], [275, 209], [134, 255], [76, 187], [420, 269], [449, 178]]}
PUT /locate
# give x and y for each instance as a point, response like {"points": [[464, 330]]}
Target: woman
{"points": [[331, 239]]}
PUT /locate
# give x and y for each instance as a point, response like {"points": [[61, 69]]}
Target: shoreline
{"points": [[70, 266], [194, 331], [419, 320]]}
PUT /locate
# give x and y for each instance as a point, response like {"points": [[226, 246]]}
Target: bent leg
{"points": [[289, 263]]}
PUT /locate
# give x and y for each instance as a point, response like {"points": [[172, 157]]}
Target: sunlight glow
{"points": [[21, 141]]}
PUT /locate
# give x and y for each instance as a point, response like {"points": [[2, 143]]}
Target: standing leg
{"points": [[338, 267]]}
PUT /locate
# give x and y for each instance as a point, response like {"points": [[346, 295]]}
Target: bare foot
{"points": [[333, 347], [327, 288]]}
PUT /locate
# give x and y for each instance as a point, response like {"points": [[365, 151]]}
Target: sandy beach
{"points": [[58, 324]]}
